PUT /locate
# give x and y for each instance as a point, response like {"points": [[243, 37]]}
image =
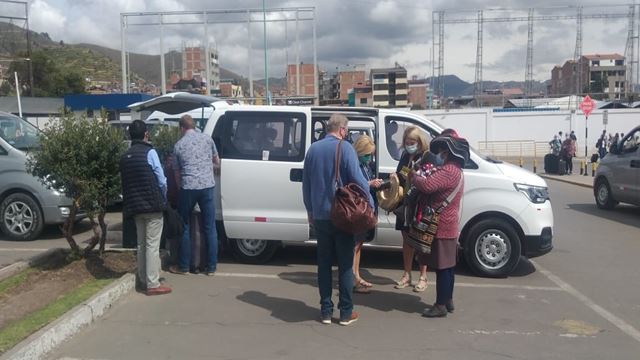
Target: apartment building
{"points": [[389, 87], [601, 75]]}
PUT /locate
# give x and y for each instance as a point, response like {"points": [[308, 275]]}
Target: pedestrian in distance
{"points": [[365, 149], [415, 149], [568, 152], [196, 157], [144, 189], [319, 186], [444, 183]]}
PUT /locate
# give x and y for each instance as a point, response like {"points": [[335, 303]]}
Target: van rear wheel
{"points": [[253, 251], [492, 248]]}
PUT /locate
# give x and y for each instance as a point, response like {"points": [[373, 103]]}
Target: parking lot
{"points": [[579, 301]]}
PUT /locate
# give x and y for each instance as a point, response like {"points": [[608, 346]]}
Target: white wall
{"points": [[484, 125]]}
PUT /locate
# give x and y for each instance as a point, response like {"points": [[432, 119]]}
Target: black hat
{"points": [[458, 147]]}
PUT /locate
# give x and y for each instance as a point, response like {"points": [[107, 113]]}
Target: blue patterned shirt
{"points": [[193, 155]]}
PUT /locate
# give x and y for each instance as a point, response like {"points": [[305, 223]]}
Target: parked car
{"points": [[506, 210], [617, 178], [26, 205]]}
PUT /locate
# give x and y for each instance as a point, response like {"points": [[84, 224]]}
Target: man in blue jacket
{"points": [[319, 187]]}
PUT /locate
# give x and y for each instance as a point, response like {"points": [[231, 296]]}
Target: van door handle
{"points": [[635, 163], [295, 175]]}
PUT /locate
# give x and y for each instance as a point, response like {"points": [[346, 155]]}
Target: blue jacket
{"points": [[318, 179]]}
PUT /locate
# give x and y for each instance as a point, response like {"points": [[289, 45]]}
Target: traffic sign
{"points": [[587, 105]]}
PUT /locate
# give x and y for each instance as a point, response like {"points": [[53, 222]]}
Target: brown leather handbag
{"points": [[350, 211]]}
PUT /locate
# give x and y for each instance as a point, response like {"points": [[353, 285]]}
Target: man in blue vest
{"points": [[144, 189]]}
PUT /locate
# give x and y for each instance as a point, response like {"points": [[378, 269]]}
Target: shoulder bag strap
{"points": [[337, 164], [453, 194]]}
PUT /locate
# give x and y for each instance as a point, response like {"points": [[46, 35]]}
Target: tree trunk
{"points": [[103, 227], [95, 238], [67, 229]]}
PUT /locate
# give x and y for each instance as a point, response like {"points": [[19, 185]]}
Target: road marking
{"points": [[618, 322], [470, 285], [23, 249]]}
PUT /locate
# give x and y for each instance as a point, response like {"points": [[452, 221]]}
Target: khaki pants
{"points": [[149, 231]]}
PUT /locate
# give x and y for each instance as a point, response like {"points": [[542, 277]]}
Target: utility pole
{"points": [[577, 54], [529, 74], [478, 82], [266, 69], [29, 56]]}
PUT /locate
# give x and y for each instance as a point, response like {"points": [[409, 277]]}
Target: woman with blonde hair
{"points": [[365, 148], [415, 147]]}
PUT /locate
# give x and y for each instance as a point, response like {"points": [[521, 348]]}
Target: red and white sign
{"points": [[587, 105]]}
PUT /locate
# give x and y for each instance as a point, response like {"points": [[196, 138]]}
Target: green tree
{"points": [[82, 158], [49, 78]]}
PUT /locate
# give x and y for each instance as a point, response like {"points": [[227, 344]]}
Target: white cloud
{"points": [[348, 32]]}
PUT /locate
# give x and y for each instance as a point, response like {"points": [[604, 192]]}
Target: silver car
{"points": [[26, 205], [618, 176]]}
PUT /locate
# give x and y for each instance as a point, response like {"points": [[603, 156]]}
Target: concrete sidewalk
{"points": [[575, 178]]}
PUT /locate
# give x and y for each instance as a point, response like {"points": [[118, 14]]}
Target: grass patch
{"points": [[19, 330], [15, 280]]}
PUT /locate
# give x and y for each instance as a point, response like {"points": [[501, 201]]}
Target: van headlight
{"points": [[535, 194]]}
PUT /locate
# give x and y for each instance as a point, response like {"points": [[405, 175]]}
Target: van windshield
{"points": [[18, 132]]}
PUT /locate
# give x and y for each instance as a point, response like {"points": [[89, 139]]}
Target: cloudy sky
{"points": [[377, 33]]}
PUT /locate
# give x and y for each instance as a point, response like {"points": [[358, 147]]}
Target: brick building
{"points": [[347, 80], [602, 75], [307, 83]]}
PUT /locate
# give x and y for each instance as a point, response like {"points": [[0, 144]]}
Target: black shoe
{"points": [[449, 306], [435, 311]]}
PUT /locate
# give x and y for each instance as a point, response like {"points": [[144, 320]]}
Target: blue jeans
{"points": [[332, 241], [186, 202]]}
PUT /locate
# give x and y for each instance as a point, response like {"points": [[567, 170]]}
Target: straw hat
{"points": [[390, 197]]}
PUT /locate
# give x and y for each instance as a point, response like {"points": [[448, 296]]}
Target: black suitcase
{"points": [[199, 246], [562, 167], [551, 163]]}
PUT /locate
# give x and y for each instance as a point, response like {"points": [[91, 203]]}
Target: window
{"points": [[261, 136], [395, 127], [631, 142], [619, 62], [3, 151], [363, 101]]}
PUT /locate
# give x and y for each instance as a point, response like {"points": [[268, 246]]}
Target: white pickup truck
{"points": [[506, 210]]}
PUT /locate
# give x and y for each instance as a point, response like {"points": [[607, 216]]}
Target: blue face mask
{"points": [[365, 159], [411, 149]]}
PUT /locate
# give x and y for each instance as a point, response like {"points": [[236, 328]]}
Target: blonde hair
{"points": [[364, 145], [414, 133]]}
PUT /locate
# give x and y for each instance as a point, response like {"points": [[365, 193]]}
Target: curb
{"points": [[48, 338], [590, 186], [35, 260]]}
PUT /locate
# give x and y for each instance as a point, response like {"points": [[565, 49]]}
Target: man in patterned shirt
{"points": [[196, 157]]}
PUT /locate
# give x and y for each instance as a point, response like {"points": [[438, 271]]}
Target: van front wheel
{"points": [[21, 217], [253, 251], [492, 248]]}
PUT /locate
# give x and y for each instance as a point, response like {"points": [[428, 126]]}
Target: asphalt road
{"points": [[581, 301]]}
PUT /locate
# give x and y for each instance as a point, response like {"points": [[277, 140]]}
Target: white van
{"points": [[506, 210]]}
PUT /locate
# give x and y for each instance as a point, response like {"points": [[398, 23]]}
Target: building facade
{"points": [[347, 80], [602, 76], [389, 87], [418, 93], [307, 83]]}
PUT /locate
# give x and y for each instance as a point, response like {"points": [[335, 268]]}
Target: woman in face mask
{"points": [[365, 148], [414, 148]]}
